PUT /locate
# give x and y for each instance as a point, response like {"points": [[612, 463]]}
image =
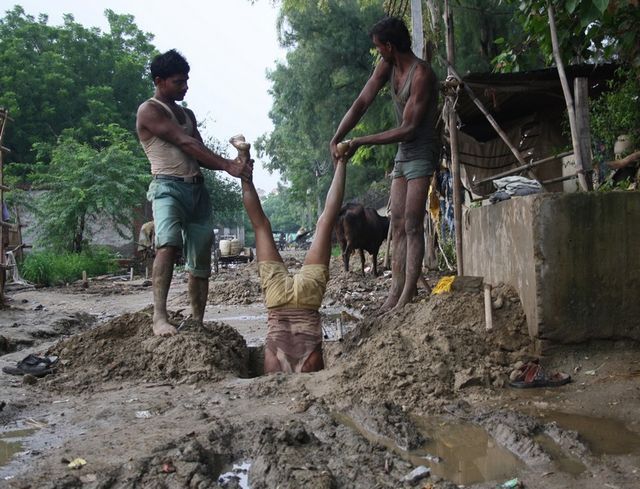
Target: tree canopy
{"points": [[328, 62], [73, 93], [588, 30], [69, 77]]}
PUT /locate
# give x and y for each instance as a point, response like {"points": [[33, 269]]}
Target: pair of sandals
{"points": [[533, 375], [33, 365]]}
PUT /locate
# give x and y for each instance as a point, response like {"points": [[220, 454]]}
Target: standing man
{"points": [[181, 207], [414, 92]]}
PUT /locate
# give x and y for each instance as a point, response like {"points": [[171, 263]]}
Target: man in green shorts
{"points": [[181, 208], [414, 92], [294, 337]]}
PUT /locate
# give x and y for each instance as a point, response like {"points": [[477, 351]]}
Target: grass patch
{"points": [[51, 268]]}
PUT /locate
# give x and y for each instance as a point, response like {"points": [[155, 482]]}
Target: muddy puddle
{"points": [[459, 452], [15, 441], [603, 436], [12, 443]]}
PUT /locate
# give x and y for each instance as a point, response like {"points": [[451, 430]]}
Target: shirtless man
{"points": [[181, 208], [294, 337], [414, 93]]}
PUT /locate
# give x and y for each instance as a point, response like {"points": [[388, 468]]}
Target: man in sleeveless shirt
{"points": [[294, 336], [414, 93], [181, 207]]}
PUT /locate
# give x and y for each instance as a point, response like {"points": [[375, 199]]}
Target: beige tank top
{"points": [[166, 158]]}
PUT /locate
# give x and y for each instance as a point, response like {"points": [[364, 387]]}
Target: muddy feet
{"points": [[162, 327], [404, 299], [389, 304]]}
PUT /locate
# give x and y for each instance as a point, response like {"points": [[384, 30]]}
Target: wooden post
{"points": [[583, 128], [488, 312], [488, 116], [387, 255], [453, 141], [417, 34], [577, 150]]}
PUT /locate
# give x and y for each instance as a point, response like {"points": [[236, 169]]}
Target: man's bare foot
{"points": [[161, 327], [238, 141], [405, 299], [399, 306], [389, 304]]}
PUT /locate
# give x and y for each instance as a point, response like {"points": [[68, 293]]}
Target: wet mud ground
{"points": [[425, 387]]}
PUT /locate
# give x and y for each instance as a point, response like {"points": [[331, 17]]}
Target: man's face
{"points": [[173, 87], [384, 49]]}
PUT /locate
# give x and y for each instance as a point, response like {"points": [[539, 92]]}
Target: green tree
{"points": [[84, 182], [284, 213], [69, 78], [588, 30], [328, 62]]}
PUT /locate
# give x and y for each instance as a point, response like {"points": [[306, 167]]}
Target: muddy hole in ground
{"points": [[255, 365]]}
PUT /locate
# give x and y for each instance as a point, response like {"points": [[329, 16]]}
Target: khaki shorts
{"points": [[304, 290]]}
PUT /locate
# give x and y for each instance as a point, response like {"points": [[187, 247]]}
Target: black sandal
{"points": [[33, 365]]}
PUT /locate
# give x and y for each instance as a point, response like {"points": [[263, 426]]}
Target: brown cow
{"points": [[360, 228]]}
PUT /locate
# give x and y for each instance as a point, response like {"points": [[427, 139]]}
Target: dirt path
{"points": [[426, 387]]}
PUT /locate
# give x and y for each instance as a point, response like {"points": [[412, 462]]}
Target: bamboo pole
{"points": [[525, 167], [577, 150], [453, 142], [560, 179]]}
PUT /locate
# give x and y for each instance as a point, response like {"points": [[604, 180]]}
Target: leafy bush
{"points": [[617, 111], [49, 268]]}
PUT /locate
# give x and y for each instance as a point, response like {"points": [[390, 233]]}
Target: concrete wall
{"points": [[574, 259]]}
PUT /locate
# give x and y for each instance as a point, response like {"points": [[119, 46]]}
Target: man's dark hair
{"points": [[394, 31], [169, 63]]}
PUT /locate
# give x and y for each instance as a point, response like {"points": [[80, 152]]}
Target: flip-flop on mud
{"points": [[33, 365], [533, 375]]}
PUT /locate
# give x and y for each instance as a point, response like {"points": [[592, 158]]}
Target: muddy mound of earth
{"points": [[432, 350], [126, 349]]}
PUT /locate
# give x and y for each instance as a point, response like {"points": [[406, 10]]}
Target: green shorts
{"points": [[413, 169], [182, 216]]}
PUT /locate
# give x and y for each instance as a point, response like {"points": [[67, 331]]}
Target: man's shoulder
{"points": [[425, 72], [151, 108]]}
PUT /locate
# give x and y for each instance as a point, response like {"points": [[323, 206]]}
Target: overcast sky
{"points": [[229, 44]]}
